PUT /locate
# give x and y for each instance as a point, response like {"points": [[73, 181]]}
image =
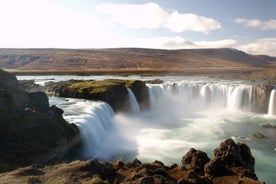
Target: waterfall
{"points": [[201, 95], [272, 103], [94, 126], [133, 102]]}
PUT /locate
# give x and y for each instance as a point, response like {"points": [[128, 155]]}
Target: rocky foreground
{"points": [[231, 163]]}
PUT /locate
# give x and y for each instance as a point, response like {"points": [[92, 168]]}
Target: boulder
{"points": [[195, 161], [258, 135], [231, 155]]}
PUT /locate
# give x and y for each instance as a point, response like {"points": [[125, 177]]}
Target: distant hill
{"points": [[128, 58]]}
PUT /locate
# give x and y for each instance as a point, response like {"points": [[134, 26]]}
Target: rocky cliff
{"points": [[30, 130]]}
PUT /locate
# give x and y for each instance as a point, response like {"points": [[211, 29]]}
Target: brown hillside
{"points": [[128, 58]]}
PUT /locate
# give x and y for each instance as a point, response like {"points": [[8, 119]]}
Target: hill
{"points": [[129, 58]]}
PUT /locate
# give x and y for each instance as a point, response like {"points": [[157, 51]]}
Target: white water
{"points": [[199, 96], [196, 113], [272, 103], [133, 101]]}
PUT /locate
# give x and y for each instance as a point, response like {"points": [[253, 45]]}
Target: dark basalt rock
{"points": [[30, 130], [195, 160], [7, 80], [228, 155]]}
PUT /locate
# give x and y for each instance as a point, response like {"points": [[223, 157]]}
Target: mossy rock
{"points": [[112, 91], [258, 135]]}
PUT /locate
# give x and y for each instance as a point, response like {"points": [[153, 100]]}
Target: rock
{"points": [[230, 155], [95, 171], [114, 92], [30, 130], [258, 135], [195, 160], [7, 80], [268, 125], [29, 86], [38, 101], [155, 81]]}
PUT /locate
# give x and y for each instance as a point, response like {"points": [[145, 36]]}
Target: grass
{"points": [[93, 86]]}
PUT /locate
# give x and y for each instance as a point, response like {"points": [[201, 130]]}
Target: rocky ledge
{"points": [[114, 92], [30, 130], [231, 163]]}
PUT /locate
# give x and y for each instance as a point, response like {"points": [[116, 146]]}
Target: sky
{"points": [[247, 25]]}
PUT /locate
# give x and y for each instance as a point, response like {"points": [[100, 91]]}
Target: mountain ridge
{"points": [[129, 58]]}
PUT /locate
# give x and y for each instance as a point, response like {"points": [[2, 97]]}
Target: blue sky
{"points": [[248, 25]]}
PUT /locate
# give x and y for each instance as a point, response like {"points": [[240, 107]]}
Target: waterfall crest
{"points": [[272, 103], [202, 95]]}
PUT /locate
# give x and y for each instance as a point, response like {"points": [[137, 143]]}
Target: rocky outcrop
{"points": [[114, 92], [194, 161], [230, 159], [30, 130], [235, 160]]}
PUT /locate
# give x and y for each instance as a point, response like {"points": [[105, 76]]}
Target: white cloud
{"points": [[134, 16], [151, 15], [190, 22], [256, 23], [265, 46], [227, 43]]}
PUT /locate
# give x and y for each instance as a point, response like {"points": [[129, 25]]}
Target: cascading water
{"points": [[272, 103], [202, 95], [94, 119], [94, 126], [134, 105]]}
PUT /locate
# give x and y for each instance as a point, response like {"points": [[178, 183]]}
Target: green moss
{"points": [[93, 87]]}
